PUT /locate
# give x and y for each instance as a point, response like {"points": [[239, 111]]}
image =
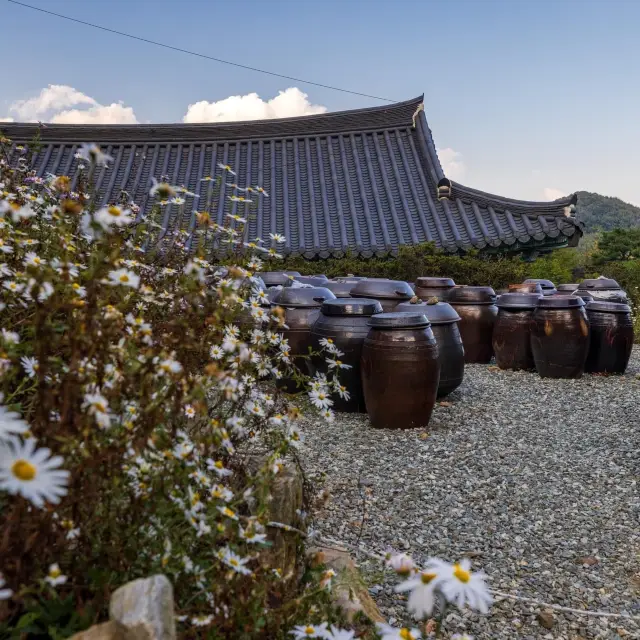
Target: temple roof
{"points": [[366, 181]]}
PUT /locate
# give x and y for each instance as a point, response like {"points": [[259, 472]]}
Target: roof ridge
{"points": [[378, 117]]}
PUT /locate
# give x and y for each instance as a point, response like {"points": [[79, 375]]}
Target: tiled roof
{"points": [[366, 180]]}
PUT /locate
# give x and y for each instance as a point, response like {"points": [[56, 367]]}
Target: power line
{"points": [[199, 55]]}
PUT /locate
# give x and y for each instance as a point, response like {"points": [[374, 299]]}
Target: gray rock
{"points": [[146, 604]]}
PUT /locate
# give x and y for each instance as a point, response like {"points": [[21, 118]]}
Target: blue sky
{"points": [[529, 99]]}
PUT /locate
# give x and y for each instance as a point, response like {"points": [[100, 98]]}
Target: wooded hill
{"points": [[604, 213]]}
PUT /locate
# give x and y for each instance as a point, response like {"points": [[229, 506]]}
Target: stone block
{"points": [[146, 604], [349, 590], [112, 631]]}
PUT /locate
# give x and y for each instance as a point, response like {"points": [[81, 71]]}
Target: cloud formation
{"points": [[53, 104], [288, 103], [452, 164], [549, 193]]}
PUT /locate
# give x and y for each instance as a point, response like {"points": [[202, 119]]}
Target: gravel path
{"points": [[536, 480]]}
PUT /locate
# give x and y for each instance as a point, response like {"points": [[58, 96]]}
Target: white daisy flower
{"points": [[55, 576], [169, 366], [92, 153], [22, 213], [302, 631], [221, 493], [189, 411], [340, 634], [229, 513], [97, 406], [401, 563], [262, 191], [253, 537], [113, 215], [202, 621], [421, 599], [216, 352], [218, 468], [30, 366], [461, 586], [236, 562], [320, 399], [32, 259], [124, 278], [277, 237], [11, 424], [391, 633], [10, 337], [13, 286], [32, 473], [226, 167], [5, 594], [4, 247]]}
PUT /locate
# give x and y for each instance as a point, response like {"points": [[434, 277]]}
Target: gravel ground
{"points": [[535, 480]]}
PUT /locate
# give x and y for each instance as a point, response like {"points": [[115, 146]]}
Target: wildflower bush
{"points": [[137, 381]]}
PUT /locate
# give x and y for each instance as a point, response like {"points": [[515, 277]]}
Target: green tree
{"points": [[617, 245]]}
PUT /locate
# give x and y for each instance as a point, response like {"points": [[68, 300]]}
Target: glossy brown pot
{"points": [[560, 337], [548, 288], [346, 323], [427, 287], [302, 308], [388, 292], [477, 309], [444, 324], [611, 337], [525, 287], [400, 370], [605, 289], [512, 331]]}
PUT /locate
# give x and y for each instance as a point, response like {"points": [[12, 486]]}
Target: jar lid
{"points": [[609, 307], [525, 287], [585, 295], [351, 307], [397, 320], [302, 297], [314, 281], [340, 288], [545, 284], [560, 302], [435, 283], [567, 287], [391, 289], [278, 278], [598, 283], [440, 313], [471, 295], [519, 300]]}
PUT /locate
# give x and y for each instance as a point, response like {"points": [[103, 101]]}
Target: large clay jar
{"points": [[477, 309], [400, 370], [611, 337], [605, 289], [560, 337], [548, 288], [427, 287], [346, 323], [302, 308], [512, 331], [444, 324], [314, 281], [525, 287], [389, 293], [341, 287]]}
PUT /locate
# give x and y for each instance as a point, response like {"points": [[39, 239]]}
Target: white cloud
{"points": [[288, 103], [115, 113], [549, 193], [53, 104], [452, 164]]}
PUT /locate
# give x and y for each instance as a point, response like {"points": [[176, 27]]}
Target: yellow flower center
{"points": [[114, 211], [427, 577], [461, 574], [23, 470], [124, 278], [100, 407], [55, 572], [229, 512], [195, 499], [233, 562], [75, 285], [405, 634], [218, 465], [309, 630]]}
